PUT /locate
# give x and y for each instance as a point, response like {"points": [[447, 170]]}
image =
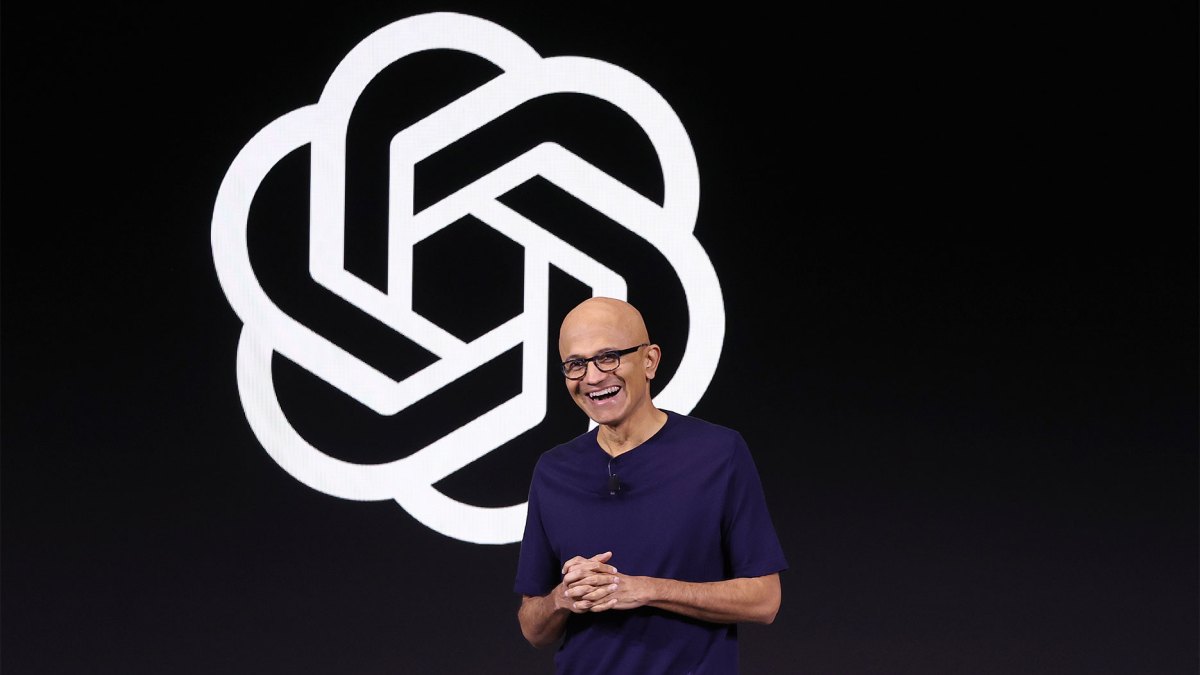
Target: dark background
{"points": [[958, 246]]}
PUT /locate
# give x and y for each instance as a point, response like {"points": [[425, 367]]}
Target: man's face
{"points": [[608, 398]]}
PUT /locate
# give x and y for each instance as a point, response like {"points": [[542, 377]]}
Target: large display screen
{"points": [[282, 289]]}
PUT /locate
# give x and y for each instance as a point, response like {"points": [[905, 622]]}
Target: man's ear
{"points": [[652, 358]]}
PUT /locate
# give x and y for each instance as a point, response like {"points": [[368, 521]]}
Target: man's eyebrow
{"points": [[572, 357]]}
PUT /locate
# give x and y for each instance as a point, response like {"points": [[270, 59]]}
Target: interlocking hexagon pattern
{"points": [[525, 75]]}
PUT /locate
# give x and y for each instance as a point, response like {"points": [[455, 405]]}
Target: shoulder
{"points": [[566, 454], [702, 437], [696, 427]]}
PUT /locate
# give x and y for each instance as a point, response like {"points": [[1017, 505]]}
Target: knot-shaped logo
{"points": [[525, 75]]}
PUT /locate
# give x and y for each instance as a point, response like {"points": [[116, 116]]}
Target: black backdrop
{"points": [[958, 250]]}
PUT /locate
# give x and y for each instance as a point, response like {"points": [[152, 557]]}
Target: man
{"points": [[647, 538]]}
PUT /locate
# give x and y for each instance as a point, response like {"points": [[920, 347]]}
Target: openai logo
{"points": [[268, 330]]}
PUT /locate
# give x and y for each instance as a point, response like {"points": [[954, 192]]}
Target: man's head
{"points": [[600, 325]]}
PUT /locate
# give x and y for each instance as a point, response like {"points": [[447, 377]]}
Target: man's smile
{"points": [[603, 394]]}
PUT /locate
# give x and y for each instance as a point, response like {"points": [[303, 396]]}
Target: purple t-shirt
{"points": [[689, 507]]}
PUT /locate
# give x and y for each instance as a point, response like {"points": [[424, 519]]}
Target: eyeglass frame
{"points": [[595, 360]]}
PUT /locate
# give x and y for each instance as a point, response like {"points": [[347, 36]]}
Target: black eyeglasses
{"points": [[606, 362]]}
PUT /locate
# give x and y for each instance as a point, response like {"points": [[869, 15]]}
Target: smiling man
{"points": [[648, 538]]}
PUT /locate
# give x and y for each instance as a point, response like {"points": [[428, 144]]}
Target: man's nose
{"points": [[593, 373]]}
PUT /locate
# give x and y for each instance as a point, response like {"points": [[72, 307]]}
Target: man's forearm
{"points": [[753, 599], [542, 620]]}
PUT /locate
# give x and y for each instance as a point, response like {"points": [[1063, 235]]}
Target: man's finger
{"points": [[575, 575], [587, 569], [599, 557], [572, 562], [595, 580], [579, 591], [599, 593], [603, 606]]}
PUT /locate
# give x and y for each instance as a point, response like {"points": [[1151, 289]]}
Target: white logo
{"points": [[267, 329]]}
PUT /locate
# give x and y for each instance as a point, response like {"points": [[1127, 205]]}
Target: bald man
{"points": [[647, 538]]}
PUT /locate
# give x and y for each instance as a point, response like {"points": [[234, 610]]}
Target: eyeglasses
{"points": [[606, 362]]}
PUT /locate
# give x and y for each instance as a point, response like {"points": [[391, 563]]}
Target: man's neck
{"points": [[632, 432]]}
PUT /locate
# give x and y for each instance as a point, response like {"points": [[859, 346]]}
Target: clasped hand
{"points": [[592, 585]]}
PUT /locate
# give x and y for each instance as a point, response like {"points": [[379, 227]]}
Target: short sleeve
{"points": [[751, 545], [538, 568]]}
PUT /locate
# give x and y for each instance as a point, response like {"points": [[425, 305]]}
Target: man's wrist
{"points": [[564, 603], [558, 599], [657, 590]]}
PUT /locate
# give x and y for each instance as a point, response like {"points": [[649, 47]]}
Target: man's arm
{"points": [[544, 617], [754, 599]]}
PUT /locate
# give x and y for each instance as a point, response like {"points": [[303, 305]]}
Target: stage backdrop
{"points": [[281, 291]]}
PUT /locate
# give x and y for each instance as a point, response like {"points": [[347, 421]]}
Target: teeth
{"points": [[602, 392]]}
